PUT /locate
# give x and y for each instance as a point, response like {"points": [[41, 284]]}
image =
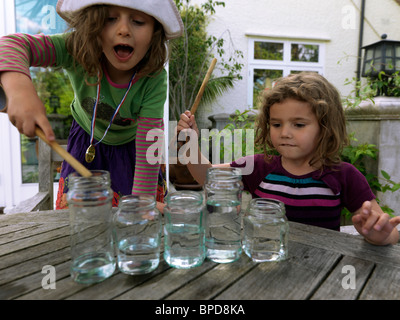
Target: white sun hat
{"points": [[164, 11]]}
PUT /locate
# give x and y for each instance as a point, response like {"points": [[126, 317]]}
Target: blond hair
{"points": [[325, 103], [84, 43]]}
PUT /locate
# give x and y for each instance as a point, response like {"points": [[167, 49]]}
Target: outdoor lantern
{"points": [[381, 56]]}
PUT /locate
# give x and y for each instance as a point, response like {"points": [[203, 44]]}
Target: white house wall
{"points": [[335, 23]]}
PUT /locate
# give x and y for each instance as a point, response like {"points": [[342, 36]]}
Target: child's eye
{"points": [[275, 125], [299, 125], [138, 22], [111, 19]]}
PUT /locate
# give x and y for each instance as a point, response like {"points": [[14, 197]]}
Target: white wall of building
{"points": [[333, 23]]}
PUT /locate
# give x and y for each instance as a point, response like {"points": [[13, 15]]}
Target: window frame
{"points": [[286, 65]]}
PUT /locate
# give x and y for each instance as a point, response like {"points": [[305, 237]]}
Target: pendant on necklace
{"points": [[90, 154]]}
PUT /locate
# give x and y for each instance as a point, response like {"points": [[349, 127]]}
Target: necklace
{"points": [[91, 151]]}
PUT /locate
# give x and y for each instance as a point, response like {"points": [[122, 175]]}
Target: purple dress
{"points": [[118, 160]]}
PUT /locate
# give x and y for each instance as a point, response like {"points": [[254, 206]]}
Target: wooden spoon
{"points": [[79, 167], [203, 86], [84, 172]]}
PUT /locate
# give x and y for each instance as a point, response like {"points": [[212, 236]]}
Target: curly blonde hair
{"points": [[325, 102], [84, 43]]}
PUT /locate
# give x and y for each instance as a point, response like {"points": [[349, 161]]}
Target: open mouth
{"points": [[123, 51]]}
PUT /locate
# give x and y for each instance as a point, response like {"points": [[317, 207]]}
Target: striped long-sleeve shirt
{"points": [[141, 112], [315, 198]]}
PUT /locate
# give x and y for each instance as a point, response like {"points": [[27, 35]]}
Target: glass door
{"points": [[18, 155], [19, 164]]}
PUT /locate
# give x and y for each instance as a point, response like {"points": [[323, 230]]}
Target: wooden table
{"points": [[321, 263]]}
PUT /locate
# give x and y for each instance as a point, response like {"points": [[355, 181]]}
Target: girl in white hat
{"points": [[114, 56]]}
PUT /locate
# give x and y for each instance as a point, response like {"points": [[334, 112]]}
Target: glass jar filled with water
{"points": [[265, 230], [137, 232], [184, 246], [90, 210], [223, 191]]}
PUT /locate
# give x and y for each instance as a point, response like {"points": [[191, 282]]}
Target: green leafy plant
{"points": [[386, 85], [53, 82], [191, 56], [357, 156], [368, 89], [239, 120], [361, 92], [55, 91]]}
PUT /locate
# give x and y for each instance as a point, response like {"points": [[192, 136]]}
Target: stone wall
{"points": [[378, 123]]}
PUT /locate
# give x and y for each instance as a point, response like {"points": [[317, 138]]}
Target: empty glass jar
{"points": [[90, 204]]}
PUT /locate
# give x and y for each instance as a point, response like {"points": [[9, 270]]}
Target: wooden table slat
{"points": [[215, 281], [338, 285], [162, 285], [314, 270], [29, 248], [30, 286], [384, 283], [345, 244], [34, 265], [116, 285], [295, 278]]}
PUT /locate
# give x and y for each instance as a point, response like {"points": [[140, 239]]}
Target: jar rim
{"points": [[224, 173], [260, 204], [185, 195], [146, 200], [95, 174], [98, 179]]}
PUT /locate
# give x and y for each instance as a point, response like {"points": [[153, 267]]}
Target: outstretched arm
{"points": [[376, 226], [17, 53], [24, 108], [198, 168]]}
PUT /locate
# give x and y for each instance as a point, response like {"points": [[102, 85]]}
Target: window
{"points": [[271, 59], [34, 17]]}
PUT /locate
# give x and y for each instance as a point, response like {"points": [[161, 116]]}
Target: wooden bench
{"points": [[43, 200]]}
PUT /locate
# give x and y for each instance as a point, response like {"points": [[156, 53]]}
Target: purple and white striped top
{"points": [[315, 198]]}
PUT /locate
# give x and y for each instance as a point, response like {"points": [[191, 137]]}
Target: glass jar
{"points": [[184, 230], [137, 234], [265, 230], [223, 191], [90, 210]]}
